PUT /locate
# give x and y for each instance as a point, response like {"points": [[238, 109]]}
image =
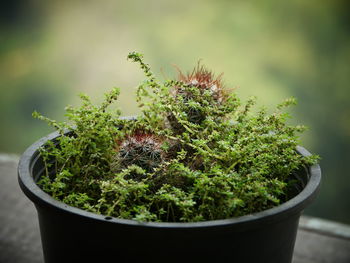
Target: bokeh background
{"points": [[52, 50]]}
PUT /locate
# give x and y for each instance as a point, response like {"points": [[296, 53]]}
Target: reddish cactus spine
{"points": [[140, 148], [204, 80], [206, 83]]}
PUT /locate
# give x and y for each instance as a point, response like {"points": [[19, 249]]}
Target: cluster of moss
{"points": [[194, 153]]}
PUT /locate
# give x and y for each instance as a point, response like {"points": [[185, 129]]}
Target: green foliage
{"points": [[195, 153]]}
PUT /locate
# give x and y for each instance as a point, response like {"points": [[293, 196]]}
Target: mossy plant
{"points": [[194, 153]]}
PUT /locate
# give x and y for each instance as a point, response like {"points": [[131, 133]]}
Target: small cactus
{"points": [[142, 149], [205, 81]]}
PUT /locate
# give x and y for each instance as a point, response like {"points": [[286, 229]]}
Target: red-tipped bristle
{"points": [[201, 77], [139, 137]]}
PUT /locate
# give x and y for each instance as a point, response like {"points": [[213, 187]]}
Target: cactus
{"points": [[205, 82], [140, 148]]}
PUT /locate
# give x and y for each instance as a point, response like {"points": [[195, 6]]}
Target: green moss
{"points": [[194, 153]]}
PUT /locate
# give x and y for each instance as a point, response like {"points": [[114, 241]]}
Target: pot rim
{"points": [[292, 207]]}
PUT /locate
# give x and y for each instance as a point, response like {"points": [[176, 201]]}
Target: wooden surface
{"points": [[318, 241]]}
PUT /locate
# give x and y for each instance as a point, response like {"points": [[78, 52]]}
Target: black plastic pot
{"points": [[70, 234]]}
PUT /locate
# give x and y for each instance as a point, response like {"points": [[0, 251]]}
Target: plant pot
{"points": [[70, 234]]}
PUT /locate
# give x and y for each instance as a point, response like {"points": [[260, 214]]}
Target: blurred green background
{"points": [[52, 50]]}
